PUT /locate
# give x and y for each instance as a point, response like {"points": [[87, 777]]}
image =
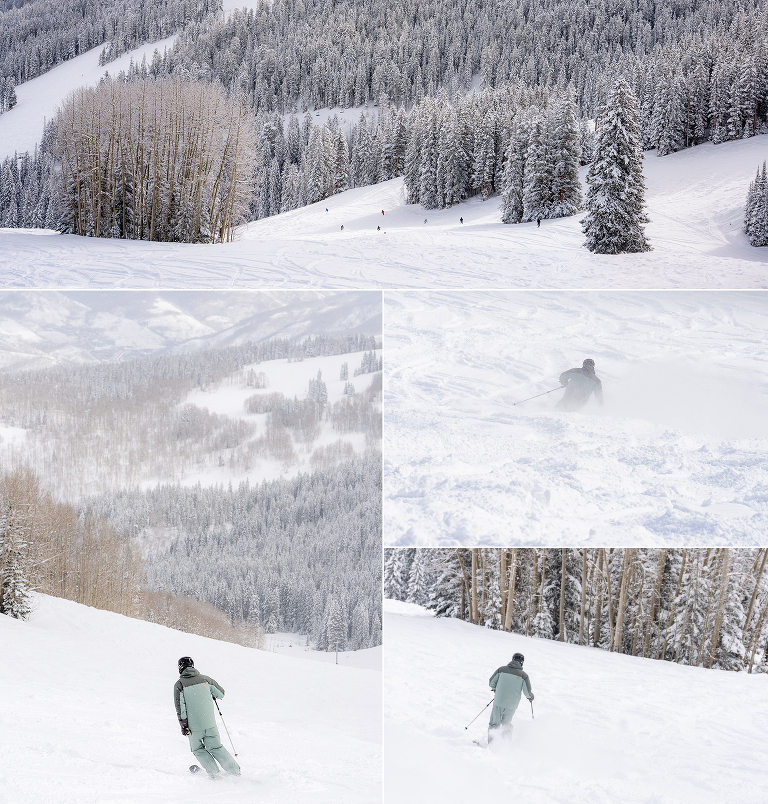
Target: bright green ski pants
{"points": [[207, 748]]}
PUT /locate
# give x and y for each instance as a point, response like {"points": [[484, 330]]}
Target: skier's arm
{"points": [[527, 691], [178, 700], [567, 376], [216, 689], [598, 391], [494, 681]]}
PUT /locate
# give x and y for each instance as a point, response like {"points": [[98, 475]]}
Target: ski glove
{"points": [[185, 727], [531, 698]]}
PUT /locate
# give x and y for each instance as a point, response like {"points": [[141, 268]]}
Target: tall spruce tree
{"points": [[616, 195]]}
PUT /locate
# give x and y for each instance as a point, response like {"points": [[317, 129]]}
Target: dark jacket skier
{"points": [[193, 696], [580, 384], [508, 684]]}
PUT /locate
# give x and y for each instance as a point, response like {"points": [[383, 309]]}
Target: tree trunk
{"points": [[618, 636], [654, 599], [720, 605], [562, 595], [511, 592], [583, 593]]}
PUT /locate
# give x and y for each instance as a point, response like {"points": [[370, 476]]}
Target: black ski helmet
{"points": [[519, 658], [184, 663], [589, 364]]}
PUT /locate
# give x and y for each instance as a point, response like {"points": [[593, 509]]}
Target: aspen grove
{"points": [[163, 160], [694, 606]]}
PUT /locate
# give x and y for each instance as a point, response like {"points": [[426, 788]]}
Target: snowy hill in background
{"points": [[22, 127], [93, 717], [695, 203], [678, 452], [607, 727], [42, 329]]}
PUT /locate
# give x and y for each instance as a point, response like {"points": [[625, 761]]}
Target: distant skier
{"points": [[425, 220], [326, 209], [580, 384], [342, 227], [193, 696], [461, 220], [508, 684], [382, 211], [378, 228], [538, 223]]}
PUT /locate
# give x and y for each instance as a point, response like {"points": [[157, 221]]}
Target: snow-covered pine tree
{"points": [[616, 195], [417, 580], [15, 581], [566, 146]]}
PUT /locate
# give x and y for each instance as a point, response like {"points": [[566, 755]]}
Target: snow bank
{"points": [[607, 727], [677, 453], [89, 694]]}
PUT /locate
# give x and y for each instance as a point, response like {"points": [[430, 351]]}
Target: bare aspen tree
{"points": [[502, 585], [758, 578], [610, 599], [720, 604], [599, 605], [511, 592], [655, 595], [562, 595], [474, 615], [583, 594], [622, 606]]}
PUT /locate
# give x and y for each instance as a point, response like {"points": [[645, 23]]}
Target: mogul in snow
{"points": [[193, 696], [508, 683], [580, 384]]}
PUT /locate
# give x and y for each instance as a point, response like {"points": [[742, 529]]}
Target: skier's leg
{"points": [[197, 746], [222, 756], [497, 716]]}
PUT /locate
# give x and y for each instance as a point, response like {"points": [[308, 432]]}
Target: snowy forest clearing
{"points": [[105, 730], [294, 645], [695, 203], [678, 451], [608, 727]]}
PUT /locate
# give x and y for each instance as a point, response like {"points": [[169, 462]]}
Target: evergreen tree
{"points": [[616, 195]]}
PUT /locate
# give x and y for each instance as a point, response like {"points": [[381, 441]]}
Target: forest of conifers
{"points": [[697, 606], [699, 72]]}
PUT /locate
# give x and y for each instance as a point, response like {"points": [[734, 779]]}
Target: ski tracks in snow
{"points": [[678, 452]]}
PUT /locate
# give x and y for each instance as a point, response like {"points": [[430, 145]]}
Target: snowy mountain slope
{"points": [[695, 202], [607, 727], [22, 127], [39, 329], [90, 697], [678, 452]]}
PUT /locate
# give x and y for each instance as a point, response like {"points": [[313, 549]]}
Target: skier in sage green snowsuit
{"points": [[508, 683], [193, 696]]}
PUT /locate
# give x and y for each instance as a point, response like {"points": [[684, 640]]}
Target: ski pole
{"points": [[531, 703], [225, 725], [479, 713], [537, 395]]}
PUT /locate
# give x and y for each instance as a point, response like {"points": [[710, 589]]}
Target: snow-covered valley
{"points": [[677, 454], [607, 727], [91, 707], [695, 203]]}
